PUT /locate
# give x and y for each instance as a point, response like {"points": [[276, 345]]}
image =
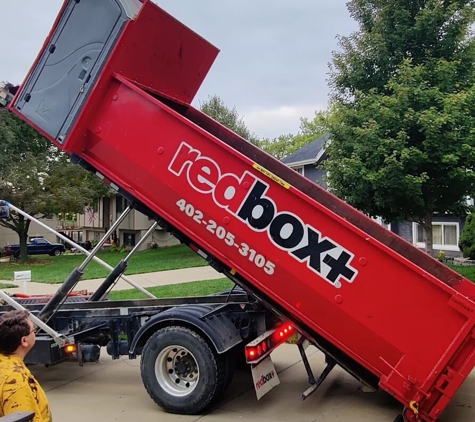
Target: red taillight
{"points": [[261, 347], [284, 332]]}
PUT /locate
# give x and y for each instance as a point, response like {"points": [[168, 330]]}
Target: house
{"points": [[96, 221], [446, 228], [7, 91], [93, 224], [9, 237], [306, 159]]}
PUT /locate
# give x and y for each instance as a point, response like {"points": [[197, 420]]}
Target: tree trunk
{"points": [[428, 238], [22, 230]]}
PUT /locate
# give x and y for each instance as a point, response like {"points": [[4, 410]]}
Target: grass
{"points": [[7, 286], [194, 288], [54, 270], [465, 270]]}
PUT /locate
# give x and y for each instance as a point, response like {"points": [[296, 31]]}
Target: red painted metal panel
{"points": [[162, 55]]}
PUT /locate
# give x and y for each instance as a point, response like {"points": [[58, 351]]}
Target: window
{"points": [[120, 205], [129, 239], [445, 236], [300, 170]]}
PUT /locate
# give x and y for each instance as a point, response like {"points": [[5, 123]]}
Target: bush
{"points": [[467, 238]]}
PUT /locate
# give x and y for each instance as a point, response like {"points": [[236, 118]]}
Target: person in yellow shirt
{"points": [[19, 390]]}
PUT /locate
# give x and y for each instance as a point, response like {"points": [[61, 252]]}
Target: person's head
{"points": [[17, 333]]}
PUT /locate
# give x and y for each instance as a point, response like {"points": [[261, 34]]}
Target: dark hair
{"points": [[13, 326]]}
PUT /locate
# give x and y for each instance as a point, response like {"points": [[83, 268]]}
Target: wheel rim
{"points": [[57, 253], [176, 371]]}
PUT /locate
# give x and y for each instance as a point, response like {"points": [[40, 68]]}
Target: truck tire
{"points": [[180, 371], [227, 368]]}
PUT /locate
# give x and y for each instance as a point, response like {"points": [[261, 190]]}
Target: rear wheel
{"points": [[226, 368], [180, 371]]}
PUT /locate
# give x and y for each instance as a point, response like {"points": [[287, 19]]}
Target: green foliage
{"points": [[442, 256], [216, 109], [402, 121], [310, 130], [19, 139], [38, 178], [467, 238]]}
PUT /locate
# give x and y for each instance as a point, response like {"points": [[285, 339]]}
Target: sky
{"points": [[273, 60]]}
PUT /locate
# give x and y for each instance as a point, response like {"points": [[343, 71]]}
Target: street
{"points": [[113, 391]]}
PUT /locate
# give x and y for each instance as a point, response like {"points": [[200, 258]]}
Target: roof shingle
{"points": [[308, 152]]}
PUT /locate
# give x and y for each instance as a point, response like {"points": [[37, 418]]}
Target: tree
{"points": [[310, 130], [38, 178], [217, 110], [402, 123], [467, 238]]}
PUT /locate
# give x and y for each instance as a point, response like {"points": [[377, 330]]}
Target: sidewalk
{"points": [[160, 278]]}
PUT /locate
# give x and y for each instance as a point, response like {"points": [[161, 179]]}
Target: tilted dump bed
{"points": [[113, 86]]}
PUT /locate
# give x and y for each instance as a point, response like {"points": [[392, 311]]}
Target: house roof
{"points": [[308, 153]]}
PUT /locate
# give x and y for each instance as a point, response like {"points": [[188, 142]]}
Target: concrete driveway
{"points": [[113, 391]]}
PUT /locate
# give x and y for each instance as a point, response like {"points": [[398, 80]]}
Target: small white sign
{"points": [[265, 377], [22, 276]]}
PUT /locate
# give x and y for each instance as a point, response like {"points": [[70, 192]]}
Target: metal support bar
{"points": [[311, 378], [330, 365], [101, 242], [111, 280], [68, 285], [141, 241], [58, 338], [98, 260]]}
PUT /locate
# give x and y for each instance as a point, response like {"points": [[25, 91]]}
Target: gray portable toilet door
{"points": [[55, 92]]}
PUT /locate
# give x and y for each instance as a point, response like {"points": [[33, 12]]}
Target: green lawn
{"points": [[7, 286], [466, 271], [195, 288], [47, 269]]}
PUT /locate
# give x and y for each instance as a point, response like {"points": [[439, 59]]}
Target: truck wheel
{"points": [[227, 368], [180, 371]]}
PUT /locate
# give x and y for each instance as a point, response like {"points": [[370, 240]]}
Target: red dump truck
{"points": [[113, 85]]}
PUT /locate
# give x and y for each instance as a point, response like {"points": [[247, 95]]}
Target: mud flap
{"points": [[264, 376]]}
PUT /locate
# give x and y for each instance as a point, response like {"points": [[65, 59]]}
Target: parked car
{"points": [[37, 246]]}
